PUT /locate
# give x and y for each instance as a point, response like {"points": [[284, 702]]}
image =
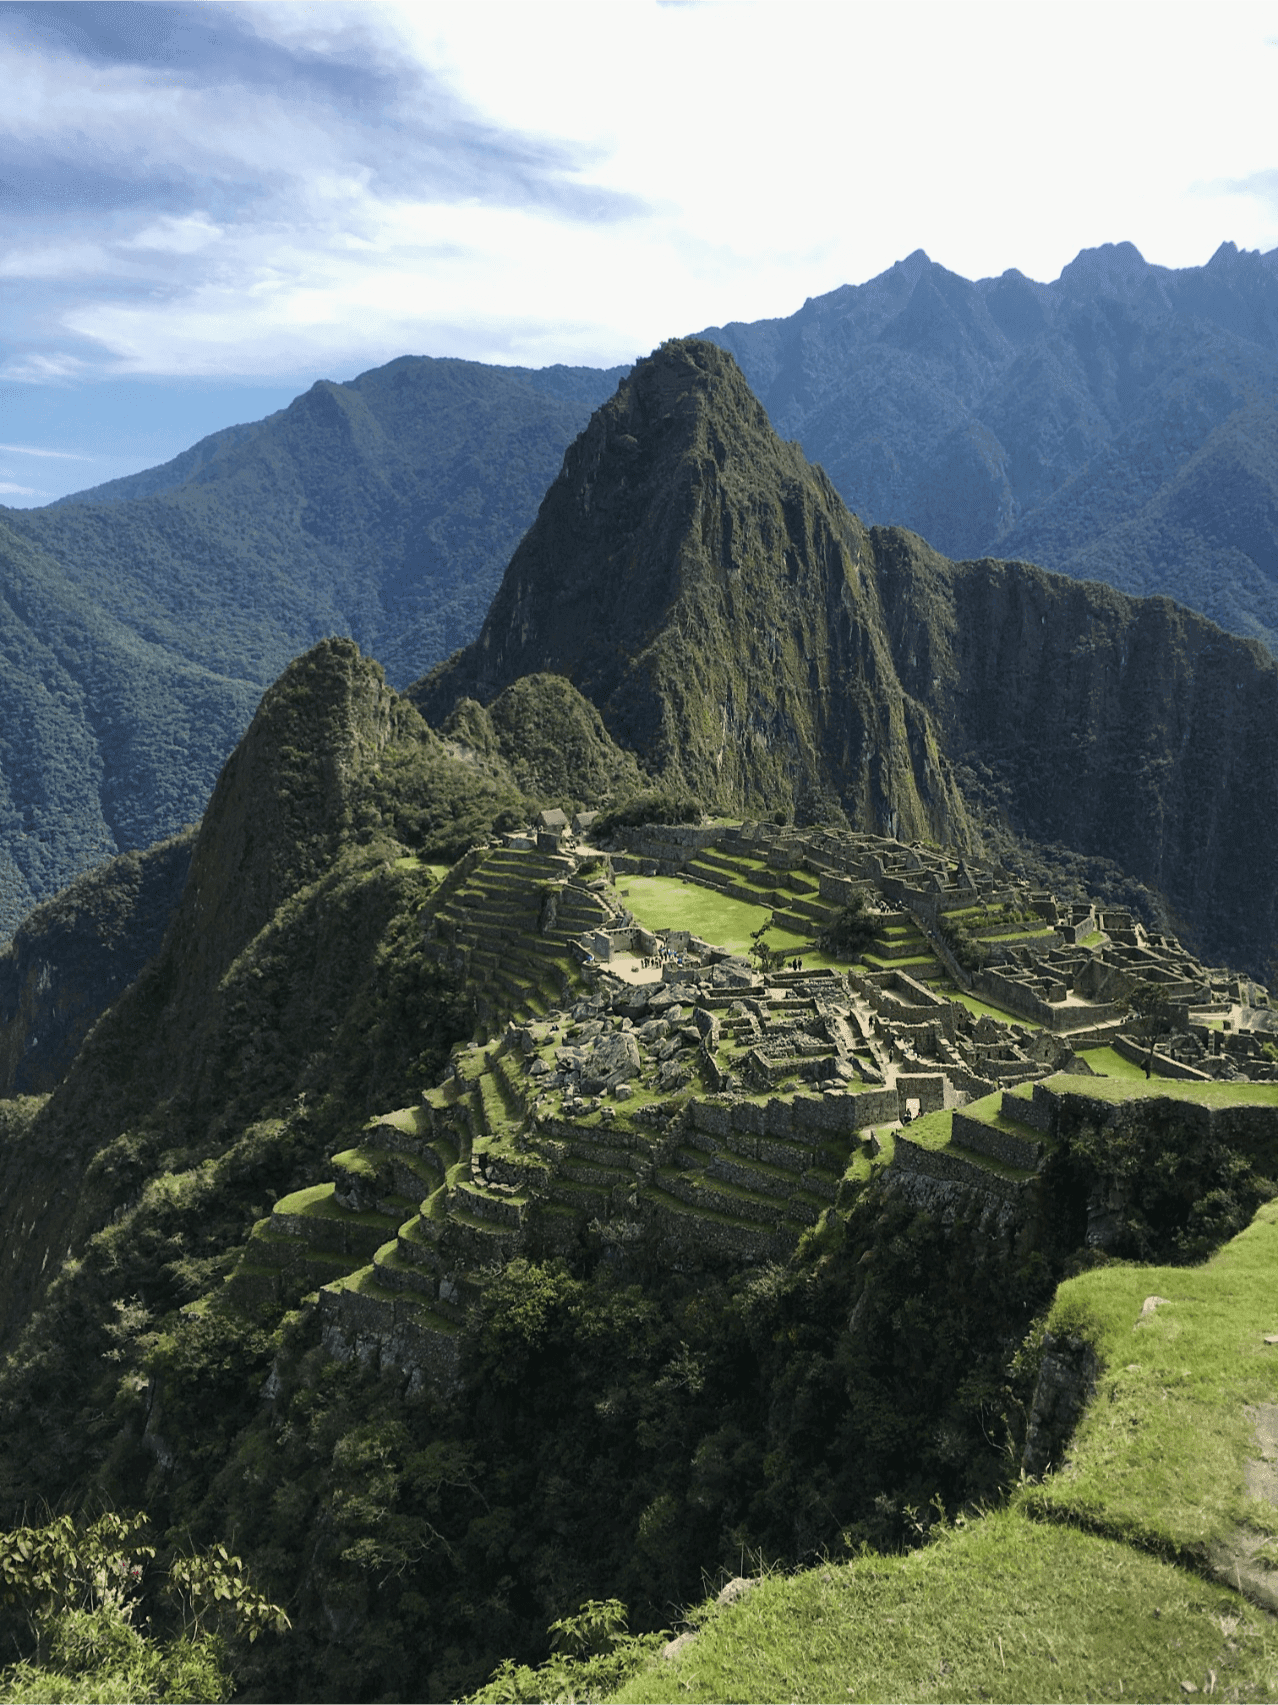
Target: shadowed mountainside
{"points": [[740, 631], [76, 954]]}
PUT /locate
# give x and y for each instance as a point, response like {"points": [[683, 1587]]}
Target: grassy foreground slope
{"points": [[1093, 1583], [1003, 1608]]}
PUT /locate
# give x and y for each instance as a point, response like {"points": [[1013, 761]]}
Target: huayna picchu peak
{"points": [[707, 590], [752, 643]]}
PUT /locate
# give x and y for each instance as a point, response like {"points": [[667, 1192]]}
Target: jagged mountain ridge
{"points": [[1118, 424], [140, 622], [1049, 422], [747, 637]]}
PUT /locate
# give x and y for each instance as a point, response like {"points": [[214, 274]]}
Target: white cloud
{"points": [[33, 450], [330, 186]]}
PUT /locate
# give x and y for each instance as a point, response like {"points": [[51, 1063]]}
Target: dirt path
{"points": [[1238, 1561]]}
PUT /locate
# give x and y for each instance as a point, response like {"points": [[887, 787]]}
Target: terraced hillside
{"points": [[638, 1088]]}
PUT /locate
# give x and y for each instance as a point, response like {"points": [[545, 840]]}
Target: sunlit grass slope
{"points": [[1074, 1591], [1002, 1609], [664, 902], [1159, 1454]]}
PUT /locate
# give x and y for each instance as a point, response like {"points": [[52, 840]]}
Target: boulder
{"points": [[614, 1059]]}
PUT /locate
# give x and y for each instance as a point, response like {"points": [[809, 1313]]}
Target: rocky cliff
{"points": [[748, 638]]}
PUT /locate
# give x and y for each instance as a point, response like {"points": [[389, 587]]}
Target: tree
{"points": [[850, 931], [769, 958], [1152, 1017], [81, 1591]]}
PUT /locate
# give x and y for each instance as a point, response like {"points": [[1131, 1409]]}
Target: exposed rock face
{"points": [[1129, 728], [743, 634], [1066, 1380], [706, 588]]}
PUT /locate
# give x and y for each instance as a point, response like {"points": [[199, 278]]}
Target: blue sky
{"points": [[205, 207]]}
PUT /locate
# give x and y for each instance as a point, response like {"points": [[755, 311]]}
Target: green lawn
{"points": [[1158, 1457], [664, 902], [1178, 1089], [983, 1009], [1110, 1063], [1002, 1608]]}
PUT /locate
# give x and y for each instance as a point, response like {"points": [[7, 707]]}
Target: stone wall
{"points": [[927, 1088], [1020, 998], [1003, 1146], [944, 1164], [799, 1117], [1163, 1064], [382, 1335]]}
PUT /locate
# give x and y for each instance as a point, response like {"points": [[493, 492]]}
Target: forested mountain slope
{"points": [[706, 588], [1117, 424], [142, 621]]}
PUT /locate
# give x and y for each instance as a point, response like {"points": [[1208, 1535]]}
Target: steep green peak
{"points": [[285, 797], [704, 587], [677, 481]]}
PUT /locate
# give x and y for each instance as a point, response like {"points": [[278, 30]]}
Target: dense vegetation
{"points": [[619, 1427], [141, 622], [76, 953]]}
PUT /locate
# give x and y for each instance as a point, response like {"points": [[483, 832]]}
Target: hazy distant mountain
{"points": [[140, 622], [1117, 425]]}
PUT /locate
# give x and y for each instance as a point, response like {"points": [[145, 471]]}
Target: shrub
{"points": [[655, 807], [850, 932]]}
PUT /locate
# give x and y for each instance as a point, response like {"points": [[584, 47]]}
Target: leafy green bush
{"points": [[654, 807], [970, 953], [84, 1594], [593, 1655], [850, 931]]}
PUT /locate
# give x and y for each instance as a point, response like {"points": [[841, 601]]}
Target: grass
{"points": [[1158, 1457], [983, 1009], [1109, 1063], [1093, 938], [932, 1131], [319, 1202], [1175, 1089], [664, 902], [1000, 1608]]}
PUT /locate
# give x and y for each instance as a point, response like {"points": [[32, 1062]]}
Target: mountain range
{"points": [[693, 611], [141, 622], [1117, 425]]}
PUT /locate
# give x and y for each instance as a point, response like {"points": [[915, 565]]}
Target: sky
{"points": [[206, 207]]}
